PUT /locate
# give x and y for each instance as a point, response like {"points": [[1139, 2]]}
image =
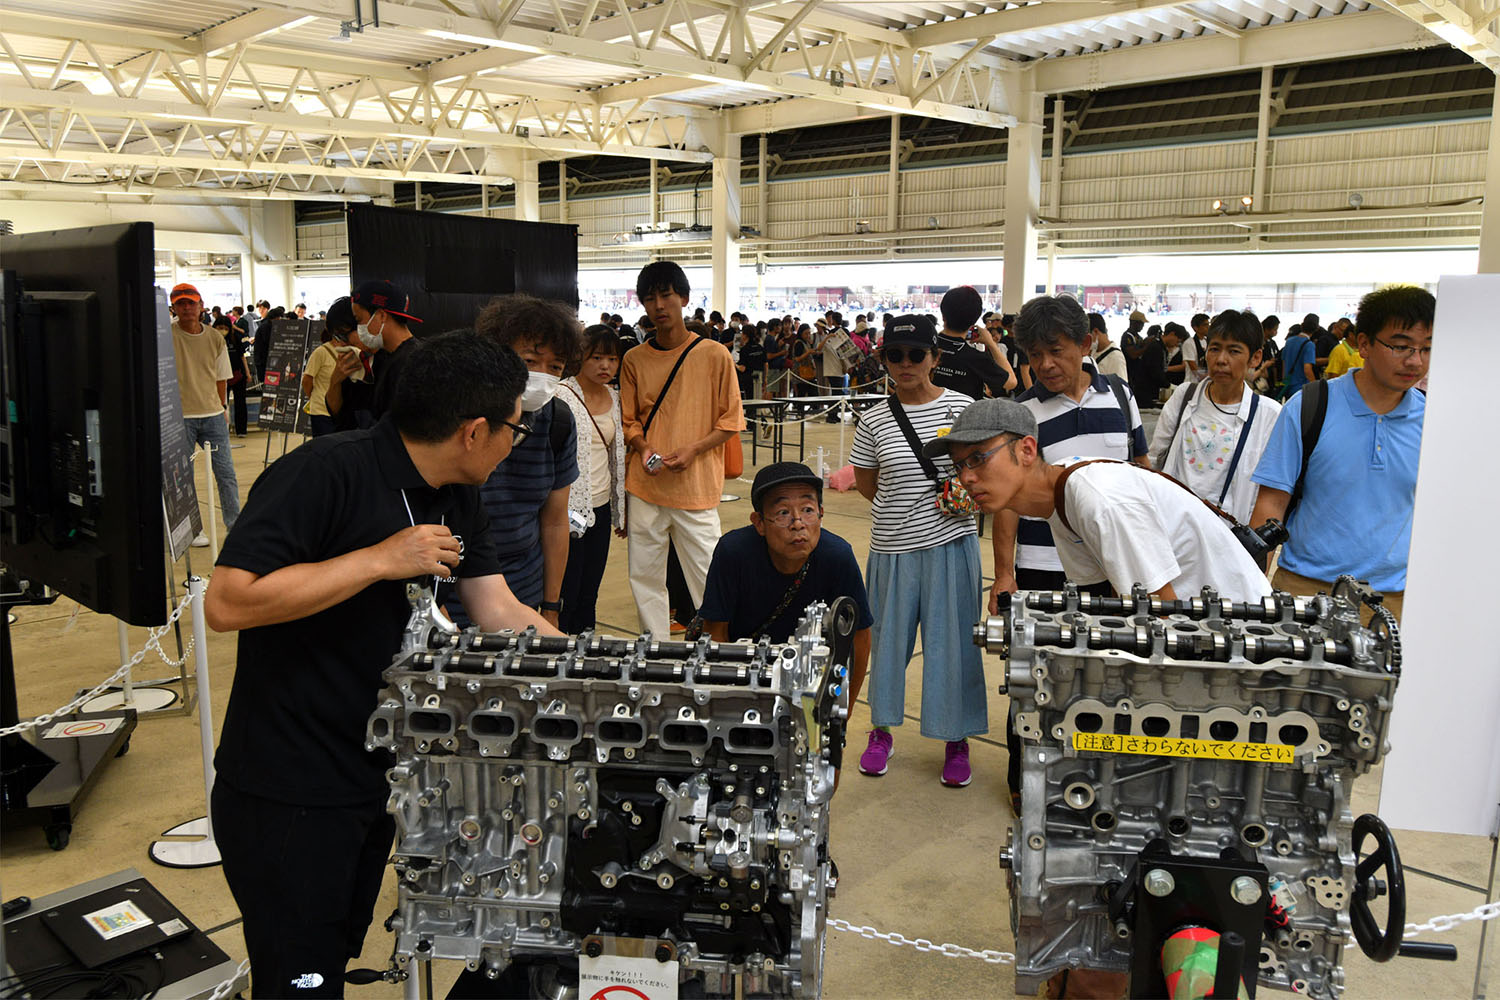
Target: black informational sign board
{"points": [[179, 491], [292, 340]]}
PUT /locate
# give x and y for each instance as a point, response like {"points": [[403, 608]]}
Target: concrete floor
{"points": [[915, 857]]}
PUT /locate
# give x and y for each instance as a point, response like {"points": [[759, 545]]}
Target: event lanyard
{"points": [[442, 520]]}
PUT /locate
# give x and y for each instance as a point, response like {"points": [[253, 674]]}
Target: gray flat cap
{"points": [[982, 420]]}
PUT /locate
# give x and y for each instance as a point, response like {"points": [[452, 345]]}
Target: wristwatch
{"points": [[551, 605]]}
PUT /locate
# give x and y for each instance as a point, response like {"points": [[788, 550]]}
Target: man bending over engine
{"points": [[1113, 521], [314, 576]]}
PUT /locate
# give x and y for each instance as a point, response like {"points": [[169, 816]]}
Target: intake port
{"points": [[430, 722], [750, 739], [555, 729], [492, 726], [620, 731], [684, 736]]}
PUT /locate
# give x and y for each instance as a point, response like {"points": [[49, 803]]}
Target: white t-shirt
{"points": [[1190, 353], [599, 480], [1135, 526], [1199, 449], [906, 518], [1111, 361]]}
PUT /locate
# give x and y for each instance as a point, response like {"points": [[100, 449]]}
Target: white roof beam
{"points": [[480, 32], [1466, 26], [1325, 38], [251, 27], [300, 124], [1032, 17]]}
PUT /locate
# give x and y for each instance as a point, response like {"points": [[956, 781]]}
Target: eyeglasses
{"points": [[1402, 353], [896, 356], [518, 432], [979, 458], [783, 518]]}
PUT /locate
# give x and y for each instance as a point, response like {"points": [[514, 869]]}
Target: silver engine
{"points": [[1224, 738], [588, 795]]}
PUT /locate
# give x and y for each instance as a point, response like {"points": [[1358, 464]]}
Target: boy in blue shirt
{"points": [[1366, 452]]}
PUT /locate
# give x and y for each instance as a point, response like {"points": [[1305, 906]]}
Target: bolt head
{"points": [[1160, 882], [1245, 890]]}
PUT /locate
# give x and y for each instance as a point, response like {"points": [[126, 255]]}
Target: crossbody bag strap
{"points": [[786, 601], [910, 433], [667, 385], [1239, 447], [1059, 490], [585, 403], [1187, 404]]}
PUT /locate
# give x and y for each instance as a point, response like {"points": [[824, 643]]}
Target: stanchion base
{"points": [[200, 853], [147, 699]]}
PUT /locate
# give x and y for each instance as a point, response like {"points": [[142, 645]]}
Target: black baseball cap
{"points": [[383, 295], [340, 316], [779, 474], [910, 331]]}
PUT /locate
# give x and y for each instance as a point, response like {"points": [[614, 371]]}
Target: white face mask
{"points": [[539, 390], [372, 341]]}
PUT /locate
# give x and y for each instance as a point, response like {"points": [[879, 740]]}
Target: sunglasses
{"points": [[897, 356]]}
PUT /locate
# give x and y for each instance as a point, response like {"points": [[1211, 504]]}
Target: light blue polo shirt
{"points": [[1356, 510]]}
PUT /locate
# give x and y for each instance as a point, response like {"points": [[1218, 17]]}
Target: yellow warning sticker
{"points": [[1158, 746]]}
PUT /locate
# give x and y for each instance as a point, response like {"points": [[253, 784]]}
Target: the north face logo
{"points": [[308, 981]]}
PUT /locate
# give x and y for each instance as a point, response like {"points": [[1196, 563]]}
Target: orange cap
{"points": [[185, 291]]}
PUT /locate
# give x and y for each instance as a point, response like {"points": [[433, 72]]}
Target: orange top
{"points": [[704, 397]]}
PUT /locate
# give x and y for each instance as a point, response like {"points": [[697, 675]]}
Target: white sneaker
{"points": [[201, 541]]}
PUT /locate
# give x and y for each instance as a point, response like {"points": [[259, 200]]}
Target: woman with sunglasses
{"points": [[924, 563]]}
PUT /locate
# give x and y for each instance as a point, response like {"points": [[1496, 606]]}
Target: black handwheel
{"points": [[1380, 945]]}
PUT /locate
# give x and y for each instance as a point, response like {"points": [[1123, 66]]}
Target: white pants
{"points": [[694, 532]]}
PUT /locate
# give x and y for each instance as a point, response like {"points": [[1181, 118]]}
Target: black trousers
{"points": [[679, 597], [1038, 579], [580, 586], [305, 879], [241, 409]]}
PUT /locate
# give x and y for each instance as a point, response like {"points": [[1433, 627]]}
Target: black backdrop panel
{"points": [[451, 265]]}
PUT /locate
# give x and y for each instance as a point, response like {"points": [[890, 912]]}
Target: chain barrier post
{"points": [[201, 852]]}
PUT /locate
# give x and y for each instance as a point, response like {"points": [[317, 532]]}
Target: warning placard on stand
{"points": [[616, 977]]}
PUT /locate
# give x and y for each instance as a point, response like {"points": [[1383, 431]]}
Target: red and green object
{"points": [[1189, 959]]}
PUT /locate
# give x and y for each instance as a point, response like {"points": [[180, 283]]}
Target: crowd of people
{"points": [[494, 463]]}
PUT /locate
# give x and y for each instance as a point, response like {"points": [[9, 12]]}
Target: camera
{"points": [[1260, 541], [653, 463]]}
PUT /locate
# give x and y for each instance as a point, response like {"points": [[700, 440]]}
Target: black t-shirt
{"points": [[303, 690], [388, 366], [968, 368], [1153, 373], [744, 587], [753, 357]]}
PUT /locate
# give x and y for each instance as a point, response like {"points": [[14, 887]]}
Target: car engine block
{"points": [[1191, 730], [594, 795]]}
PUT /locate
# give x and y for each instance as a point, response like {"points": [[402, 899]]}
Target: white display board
{"points": [[1443, 773]]}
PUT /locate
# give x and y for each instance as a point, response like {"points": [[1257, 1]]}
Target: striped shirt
{"points": [[1095, 427], [906, 518]]}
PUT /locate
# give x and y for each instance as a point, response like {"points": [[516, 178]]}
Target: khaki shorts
{"points": [[1296, 583]]}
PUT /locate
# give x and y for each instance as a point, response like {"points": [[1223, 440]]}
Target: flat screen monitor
{"points": [[80, 448], [449, 266]]}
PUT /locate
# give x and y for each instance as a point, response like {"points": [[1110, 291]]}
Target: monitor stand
{"points": [[46, 778]]}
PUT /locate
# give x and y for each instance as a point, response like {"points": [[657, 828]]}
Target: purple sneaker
{"points": [[878, 754], [955, 764]]}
